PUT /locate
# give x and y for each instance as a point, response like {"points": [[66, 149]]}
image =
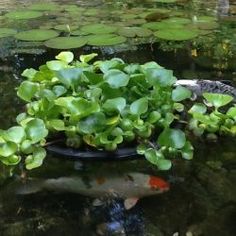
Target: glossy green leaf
{"points": [[174, 138], [160, 77], [27, 90], [116, 78], [57, 124], [56, 65], [35, 130], [11, 160], [218, 100], [232, 112], [36, 159], [199, 108], [153, 155], [15, 134], [87, 58], [67, 57], [70, 77], [92, 124], [163, 164], [180, 93], [139, 106], [7, 149], [78, 106], [59, 90], [115, 104], [187, 151]]}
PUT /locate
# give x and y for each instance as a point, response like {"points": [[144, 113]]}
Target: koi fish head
{"points": [[157, 183]]}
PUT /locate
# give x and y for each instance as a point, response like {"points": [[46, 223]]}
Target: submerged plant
{"points": [[105, 105]]}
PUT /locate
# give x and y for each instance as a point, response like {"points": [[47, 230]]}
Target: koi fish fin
{"points": [[130, 202]]}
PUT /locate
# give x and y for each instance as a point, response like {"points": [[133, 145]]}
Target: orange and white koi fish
{"points": [[130, 187]]}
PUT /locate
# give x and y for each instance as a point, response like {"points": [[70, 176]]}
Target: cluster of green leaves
{"points": [[212, 118], [104, 105]]}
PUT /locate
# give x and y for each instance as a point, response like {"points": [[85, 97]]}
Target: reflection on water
{"points": [[201, 201]]}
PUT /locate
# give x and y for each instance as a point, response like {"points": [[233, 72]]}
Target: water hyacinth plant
{"points": [[108, 104]]}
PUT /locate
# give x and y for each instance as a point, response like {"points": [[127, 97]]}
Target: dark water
{"points": [[202, 198]]}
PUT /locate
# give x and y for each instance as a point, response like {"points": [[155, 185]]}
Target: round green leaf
{"points": [[105, 40], [163, 164], [35, 130], [44, 7], [232, 112], [92, 124], [115, 104], [36, 35], [199, 108], [98, 29], [11, 160], [6, 32], [153, 155], [160, 77], [165, 1], [56, 65], [174, 138], [66, 42], [176, 34], [131, 32], [23, 15], [218, 100], [139, 106], [116, 78], [180, 93], [67, 57], [57, 124], [15, 134], [187, 151], [36, 159], [7, 149], [27, 90]]}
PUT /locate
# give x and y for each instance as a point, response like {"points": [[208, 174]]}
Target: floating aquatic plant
{"points": [[23, 15], [105, 40], [36, 35], [66, 42], [107, 104]]}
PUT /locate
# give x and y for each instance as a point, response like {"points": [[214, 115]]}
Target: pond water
{"points": [[202, 197]]}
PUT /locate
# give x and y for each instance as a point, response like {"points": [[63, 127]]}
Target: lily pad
{"points": [[66, 42], [132, 32], [98, 29], [105, 40], [44, 7], [179, 20], [176, 34], [6, 32], [23, 15], [66, 27], [36, 35], [162, 25], [165, 1]]}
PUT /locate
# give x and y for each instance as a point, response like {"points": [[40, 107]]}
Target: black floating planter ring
{"points": [[126, 153]]}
